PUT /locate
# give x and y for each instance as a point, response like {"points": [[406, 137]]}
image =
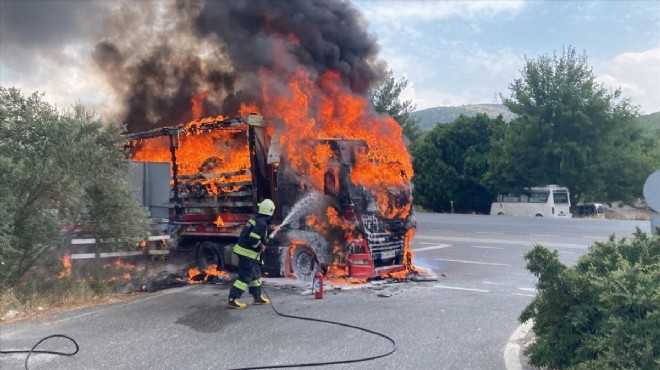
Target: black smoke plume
{"points": [[159, 55]]}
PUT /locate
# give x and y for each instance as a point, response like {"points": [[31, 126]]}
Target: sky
{"points": [[451, 52], [469, 52]]}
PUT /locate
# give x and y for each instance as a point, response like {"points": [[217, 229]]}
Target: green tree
{"points": [[58, 170], [450, 163], [570, 131], [386, 98], [602, 313]]}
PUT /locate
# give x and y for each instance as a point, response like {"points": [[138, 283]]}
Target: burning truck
{"points": [[343, 205]]}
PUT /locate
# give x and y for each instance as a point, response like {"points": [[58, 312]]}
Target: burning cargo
{"points": [[343, 206]]}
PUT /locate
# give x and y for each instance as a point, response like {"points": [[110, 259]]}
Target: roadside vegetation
{"points": [[569, 130], [601, 313], [60, 171]]}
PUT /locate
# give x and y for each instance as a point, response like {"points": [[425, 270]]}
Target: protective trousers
{"points": [[249, 276]]}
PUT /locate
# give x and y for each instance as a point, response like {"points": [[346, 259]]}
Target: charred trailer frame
{"points": [[209, 206]]}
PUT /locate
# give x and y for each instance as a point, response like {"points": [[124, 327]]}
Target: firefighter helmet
{"points": [[266, 207]]}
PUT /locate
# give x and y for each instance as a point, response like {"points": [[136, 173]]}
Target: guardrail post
{"points": [[97, 261]]}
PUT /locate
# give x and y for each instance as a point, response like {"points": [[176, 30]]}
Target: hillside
{"points": [[651, 122], [429, 117]]}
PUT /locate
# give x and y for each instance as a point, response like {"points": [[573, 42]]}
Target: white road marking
{"points": [[596, 237], [491, 283], [458, 288], [528, 289], [436, 246], [473, 262], [569, 252], [500, 241], [443, 231], [523, 295], [489, 232], [548, 235], [482, 247]]}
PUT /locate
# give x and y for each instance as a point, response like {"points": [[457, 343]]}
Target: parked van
{"points": [[589, 210], [543, 201]]}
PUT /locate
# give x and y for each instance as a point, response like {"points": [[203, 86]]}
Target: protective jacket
{"points": [[249, 242]]}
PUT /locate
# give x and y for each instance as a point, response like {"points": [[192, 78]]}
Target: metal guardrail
{"points": [[97, 255]]}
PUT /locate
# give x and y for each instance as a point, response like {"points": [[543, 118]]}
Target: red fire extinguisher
{"points": [[317, 285]]}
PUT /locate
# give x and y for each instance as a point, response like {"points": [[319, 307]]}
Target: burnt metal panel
{"points": [[259, 153], [151, 181]]}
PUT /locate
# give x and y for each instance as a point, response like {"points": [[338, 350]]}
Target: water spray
{"points": [[306, 203]]}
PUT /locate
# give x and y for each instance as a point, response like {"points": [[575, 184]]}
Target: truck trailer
{"points": [[326, 219]]}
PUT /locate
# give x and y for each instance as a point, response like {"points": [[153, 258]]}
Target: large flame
{"points": [[325, 109], [311, 109], [216, 152], [300, 108]]}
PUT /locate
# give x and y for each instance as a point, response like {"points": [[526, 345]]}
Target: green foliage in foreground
{"points": [[58, 170], [603, 313]]}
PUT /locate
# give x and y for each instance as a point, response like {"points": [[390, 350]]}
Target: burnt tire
{"points": [[303, 263], [207, 254]]}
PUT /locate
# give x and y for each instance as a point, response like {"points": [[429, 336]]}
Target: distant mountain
{"points": [[651, 122], [428, 118]]}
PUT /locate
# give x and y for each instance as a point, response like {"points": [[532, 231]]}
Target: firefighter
{"points": [[249, 247]]}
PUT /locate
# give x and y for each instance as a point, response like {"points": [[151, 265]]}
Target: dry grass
{"points": [[37, 299]]}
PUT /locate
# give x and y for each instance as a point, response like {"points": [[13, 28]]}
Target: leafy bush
{"points": [[603, 313], [59, 169]]}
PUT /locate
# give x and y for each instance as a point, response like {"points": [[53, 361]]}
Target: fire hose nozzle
{"points": [[274, 233]]}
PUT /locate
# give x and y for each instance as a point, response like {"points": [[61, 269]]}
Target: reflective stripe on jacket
{"points": [[253, 234]]}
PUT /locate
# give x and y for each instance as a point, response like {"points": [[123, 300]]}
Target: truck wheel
{"points": [[539, 215], [207, 254], [303, 263]]}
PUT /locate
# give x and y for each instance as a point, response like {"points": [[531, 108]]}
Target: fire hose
{"points": [[35, 350], [324, 363]]}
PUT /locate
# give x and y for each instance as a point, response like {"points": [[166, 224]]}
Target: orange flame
{"points": [[198, 104], [300, 108], [197, 276], [325, 108], [193, 272], [408, 257], [66, 267]]}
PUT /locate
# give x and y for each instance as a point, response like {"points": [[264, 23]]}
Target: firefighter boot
{"points": [[258, 297], [234, 303]]}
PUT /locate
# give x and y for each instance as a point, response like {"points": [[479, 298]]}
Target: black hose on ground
{"points": [[324, 363], [35, 350]]}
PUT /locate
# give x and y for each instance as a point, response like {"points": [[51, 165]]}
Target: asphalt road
{"points": [[461, 321]]}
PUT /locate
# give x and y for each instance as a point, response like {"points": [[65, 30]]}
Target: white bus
{"points": [[544, 201]]}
